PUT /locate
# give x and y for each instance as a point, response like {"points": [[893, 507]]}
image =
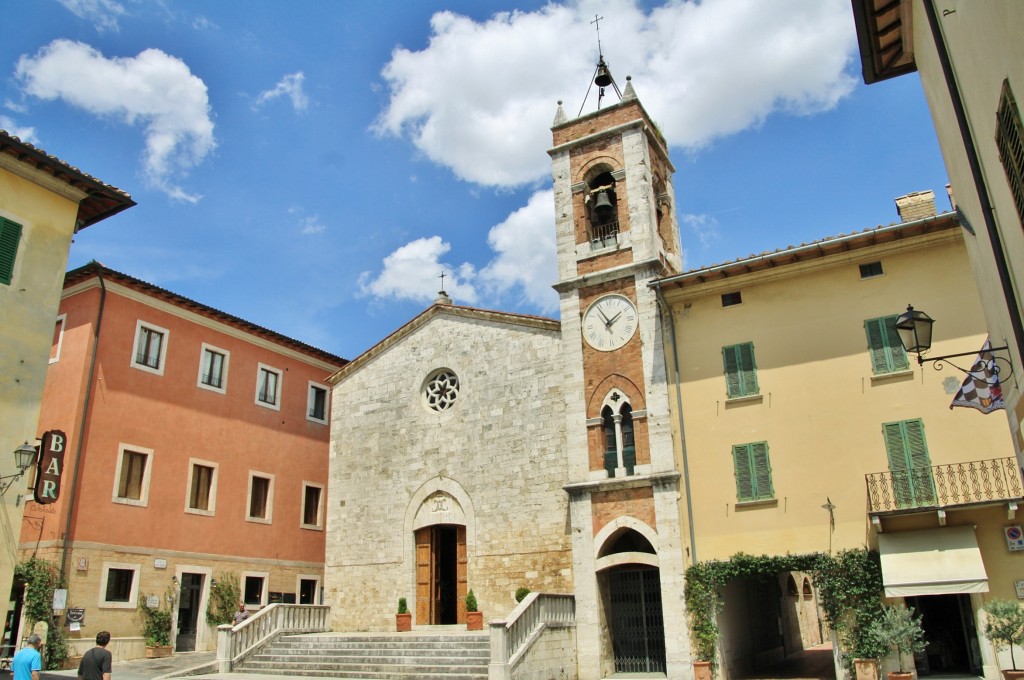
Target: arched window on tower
{"points": [[602, 211], [617, 436], [628, 443], [611, 448]]}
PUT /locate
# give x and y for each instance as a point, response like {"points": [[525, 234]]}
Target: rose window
{"points": [[441, 390]]}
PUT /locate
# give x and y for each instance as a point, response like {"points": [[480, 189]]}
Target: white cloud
{"points": [[411, 273], [524, 265], [525, 259], [308, 224], [102, 13], [25, 134], [480, 98], [290, 86], [153, 89]]}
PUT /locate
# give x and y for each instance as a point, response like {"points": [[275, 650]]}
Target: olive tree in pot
{"points": [[898, 630], [1005, 628]]}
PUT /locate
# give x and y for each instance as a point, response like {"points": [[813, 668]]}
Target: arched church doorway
{"points": [[441, 574], [632, 602]]}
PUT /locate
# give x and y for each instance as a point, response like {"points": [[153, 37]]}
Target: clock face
{"points": [[609, 323]]}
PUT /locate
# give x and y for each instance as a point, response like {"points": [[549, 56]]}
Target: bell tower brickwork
{"points": [[615, 232]]}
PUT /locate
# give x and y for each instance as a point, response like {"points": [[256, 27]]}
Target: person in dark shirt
{"points": [[95, 664]]}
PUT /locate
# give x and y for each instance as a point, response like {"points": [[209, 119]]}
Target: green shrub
{"points": [[471, 604], [521, 593], [403, 607], [224, 598], [898, 630]]}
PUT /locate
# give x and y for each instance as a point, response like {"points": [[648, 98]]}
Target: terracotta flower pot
{"points": [[474, 620], [159, 651], [901, 675], [1013, 674], [867, 669], [403, 622], [702, 670]]}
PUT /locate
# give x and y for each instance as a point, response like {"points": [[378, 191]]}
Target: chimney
{"points": [[916, 206]]}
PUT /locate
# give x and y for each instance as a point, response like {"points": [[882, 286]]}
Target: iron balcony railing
{"points": [[604, 235], [944, 485]]}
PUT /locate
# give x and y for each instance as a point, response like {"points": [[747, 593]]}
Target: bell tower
{"points": [[616, 231]]}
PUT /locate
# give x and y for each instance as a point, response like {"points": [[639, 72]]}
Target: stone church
{"points": [[484, 450]]}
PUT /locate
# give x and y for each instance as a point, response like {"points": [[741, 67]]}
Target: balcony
{"points": [[943, 486], [604, 235]]}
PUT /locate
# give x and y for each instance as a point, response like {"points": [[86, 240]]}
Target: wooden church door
{"points": [[441, 575]]}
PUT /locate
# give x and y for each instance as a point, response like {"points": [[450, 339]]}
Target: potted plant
{"points": [[521, 593], [1005, 628], [403, 619], [156, 629], [899, 631], [474, 618]]}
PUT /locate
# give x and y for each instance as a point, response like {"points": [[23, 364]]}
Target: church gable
{"points": [[455, 422]]}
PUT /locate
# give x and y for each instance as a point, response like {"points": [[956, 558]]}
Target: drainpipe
{"points": [[81, 430], [667, 313], [987, 211]]}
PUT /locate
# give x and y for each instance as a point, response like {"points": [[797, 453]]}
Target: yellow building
{"points": [[796, 396], [43, 203], [971, 62]]}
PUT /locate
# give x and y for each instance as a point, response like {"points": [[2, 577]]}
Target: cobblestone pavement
{"points": [[146, 669]]}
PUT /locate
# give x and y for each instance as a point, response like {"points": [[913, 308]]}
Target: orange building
{"points": [[197, 447]]}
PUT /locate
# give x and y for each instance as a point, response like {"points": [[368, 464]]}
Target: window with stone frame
{"points": [[617, 436], [150, 349]]}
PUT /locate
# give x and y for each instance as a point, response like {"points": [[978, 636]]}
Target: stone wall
{"points": [[497, 457], [552, 657]]}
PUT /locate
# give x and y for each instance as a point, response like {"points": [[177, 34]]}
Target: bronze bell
{"points": [[603, 77], [603, 205]]}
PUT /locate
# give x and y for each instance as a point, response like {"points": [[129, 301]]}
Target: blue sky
{"points": [[313, 166]]}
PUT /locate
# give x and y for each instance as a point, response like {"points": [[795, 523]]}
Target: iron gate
{"points": [[637, 627]]}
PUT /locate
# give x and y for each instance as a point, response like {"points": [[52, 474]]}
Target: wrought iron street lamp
{"points": [[915, 330], [24, 455]]}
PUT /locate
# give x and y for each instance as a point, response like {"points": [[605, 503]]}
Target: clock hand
{"points": [[602, 316], [611, 321]]}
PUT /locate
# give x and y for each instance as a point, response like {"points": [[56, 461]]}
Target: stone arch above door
{"points": [[439, 500], [615, 528]]}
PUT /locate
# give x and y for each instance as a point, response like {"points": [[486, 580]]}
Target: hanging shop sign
{"points": [[50, 467]]}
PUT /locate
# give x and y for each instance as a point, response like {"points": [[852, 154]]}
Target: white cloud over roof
{"points": [[154, 90], [479, 99]]}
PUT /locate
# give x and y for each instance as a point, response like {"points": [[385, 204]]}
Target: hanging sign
{"points": [[50, 467]]}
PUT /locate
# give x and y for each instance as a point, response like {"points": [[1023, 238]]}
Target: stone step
{"points": [[375, 657], [395, 658], [361, 644]]}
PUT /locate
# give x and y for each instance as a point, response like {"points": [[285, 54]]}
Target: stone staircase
{"points": [[382, 656]]}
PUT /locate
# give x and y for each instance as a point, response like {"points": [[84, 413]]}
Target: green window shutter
{"points": [[740, 370], [920, 464], [897, 355], [762, 470], [744, 476], [909, 463], [884, 346], [10, 235]]}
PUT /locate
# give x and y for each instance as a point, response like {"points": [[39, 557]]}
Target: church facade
{"points": [[486, 451]]}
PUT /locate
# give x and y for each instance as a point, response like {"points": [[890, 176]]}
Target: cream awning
{"points": [[932, 562]]}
